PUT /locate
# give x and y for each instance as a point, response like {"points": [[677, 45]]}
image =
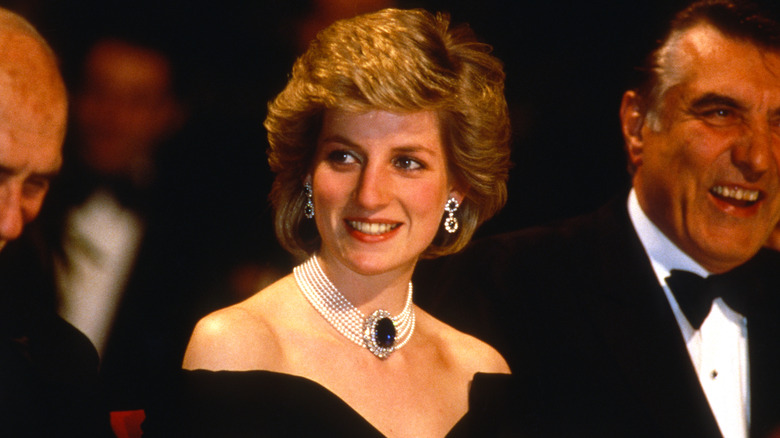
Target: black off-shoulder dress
{"points": [[270, 404]]}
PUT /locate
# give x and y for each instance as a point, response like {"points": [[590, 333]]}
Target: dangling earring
{"points": [[308, 209], [451, 222]]}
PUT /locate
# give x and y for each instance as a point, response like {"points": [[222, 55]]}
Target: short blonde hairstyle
{"points": [[400, 61]]}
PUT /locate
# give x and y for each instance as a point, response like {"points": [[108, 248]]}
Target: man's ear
{"points": [[632, 121]]}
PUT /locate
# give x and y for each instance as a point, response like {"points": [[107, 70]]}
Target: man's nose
{"points": [[754, 153], [11, 213]]}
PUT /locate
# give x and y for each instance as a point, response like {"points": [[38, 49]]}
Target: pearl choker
{"points": [[380, 332]]}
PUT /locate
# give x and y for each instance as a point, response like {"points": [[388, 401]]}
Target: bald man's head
{"points": [[33, 111]]}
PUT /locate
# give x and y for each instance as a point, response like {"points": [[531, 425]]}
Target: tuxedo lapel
{"points": [[762, 276], [763, 340], [629, 309]]}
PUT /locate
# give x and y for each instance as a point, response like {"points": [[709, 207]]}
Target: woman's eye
{"points": [[342, 157], [407, 163]]}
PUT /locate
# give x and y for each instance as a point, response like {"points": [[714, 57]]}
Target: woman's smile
{"points": [[371, 228]]}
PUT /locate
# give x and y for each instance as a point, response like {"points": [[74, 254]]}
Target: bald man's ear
{"points": [[632, 121]]}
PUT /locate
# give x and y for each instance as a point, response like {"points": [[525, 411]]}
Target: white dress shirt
{"points": [[101, 244], [718, 350]]}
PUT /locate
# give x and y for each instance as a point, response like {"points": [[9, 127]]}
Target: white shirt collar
{"points": [[664, 254]]}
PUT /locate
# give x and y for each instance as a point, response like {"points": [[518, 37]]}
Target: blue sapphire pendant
{"points": [[379, 334]]}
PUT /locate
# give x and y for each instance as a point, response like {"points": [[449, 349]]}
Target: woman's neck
{"points": [[368, 292]]}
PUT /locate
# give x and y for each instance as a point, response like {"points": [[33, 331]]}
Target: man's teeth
{"points": [[736, 193], [371, 228]]}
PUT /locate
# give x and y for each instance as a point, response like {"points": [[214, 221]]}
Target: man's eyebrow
{"points": [[715, 99], [46, 175]]}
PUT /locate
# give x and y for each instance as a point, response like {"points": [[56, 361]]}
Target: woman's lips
{"points": [[372, 228]]}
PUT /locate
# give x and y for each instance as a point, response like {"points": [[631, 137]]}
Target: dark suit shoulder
{"points": [[49, 383], [560, 246], [62, 350]]}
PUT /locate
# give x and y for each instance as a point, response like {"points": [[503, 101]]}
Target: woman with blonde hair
{"points": [[390, 143]]}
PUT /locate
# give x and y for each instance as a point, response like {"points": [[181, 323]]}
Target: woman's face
{"points": [[380, 183]]}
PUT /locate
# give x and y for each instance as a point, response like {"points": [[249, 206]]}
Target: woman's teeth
{"points": [[373, 229]]}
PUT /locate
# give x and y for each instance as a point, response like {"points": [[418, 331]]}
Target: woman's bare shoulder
{"points": [[239, 337]]}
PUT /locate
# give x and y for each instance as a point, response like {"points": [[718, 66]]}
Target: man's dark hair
{"points": [[742, 20], [735, 19]]}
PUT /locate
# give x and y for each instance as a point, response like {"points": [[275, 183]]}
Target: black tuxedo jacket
{"points": [[578, 313], [48, 370]]}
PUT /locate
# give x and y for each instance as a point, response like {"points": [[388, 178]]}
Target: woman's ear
{"points": [[457, 194]]}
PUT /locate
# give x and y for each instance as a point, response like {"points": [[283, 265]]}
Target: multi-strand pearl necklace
{"points": [[380, 332]]}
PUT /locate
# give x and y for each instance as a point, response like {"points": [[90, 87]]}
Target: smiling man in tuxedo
{"points": [[590, 313]]}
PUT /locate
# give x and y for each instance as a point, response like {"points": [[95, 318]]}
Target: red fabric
{"points": [[127, 424]]}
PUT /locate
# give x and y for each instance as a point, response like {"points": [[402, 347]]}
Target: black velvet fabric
{"points": [[269, 404]]}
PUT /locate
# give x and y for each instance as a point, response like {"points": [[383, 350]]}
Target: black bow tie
{"points": [[694, 294]]}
